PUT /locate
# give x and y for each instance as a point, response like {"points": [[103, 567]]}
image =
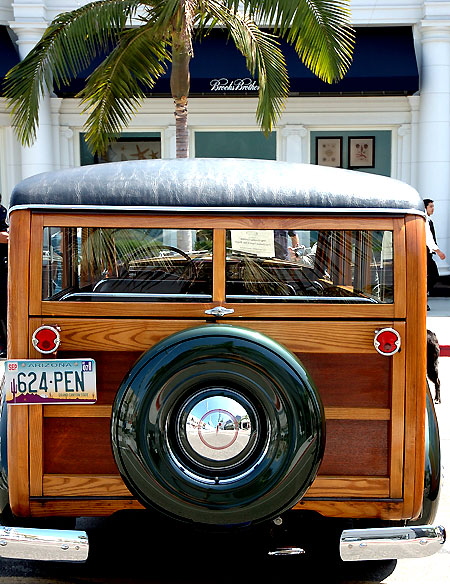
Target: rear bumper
{"points": [[391, 543], [55, 545], [355, 544]]}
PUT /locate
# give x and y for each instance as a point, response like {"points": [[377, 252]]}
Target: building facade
{"points": [[390, 115]]}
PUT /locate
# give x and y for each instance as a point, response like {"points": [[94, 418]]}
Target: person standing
{"points": [[432, 247], [282, 248]]}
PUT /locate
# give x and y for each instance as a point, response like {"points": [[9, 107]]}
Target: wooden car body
{"points": [[113, 307]]}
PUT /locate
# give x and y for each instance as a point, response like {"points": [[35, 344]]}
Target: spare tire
{"points": [[218, 425]]}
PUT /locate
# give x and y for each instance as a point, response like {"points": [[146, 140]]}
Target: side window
{"points": [[106, 264], [309, 266]]}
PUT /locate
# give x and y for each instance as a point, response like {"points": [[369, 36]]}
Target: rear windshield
{"points": [[167, 265]]}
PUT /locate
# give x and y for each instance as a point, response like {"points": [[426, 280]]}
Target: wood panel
{"points": [[361, 487], [36, 436], [119, 335], [66, 485], [78, 446], [415, 366], [343, 508], [332, 413], [82, 446], [65, 507], [399, 240], [74, 411], [197, 310], [321, 336], [36, 263], [398, 419], [36, 439], [390, 510], [96, 411], [358, 448], [79, 485], [368, 385], [229, 221], [128, 334], [219, 247], [18, 299]]}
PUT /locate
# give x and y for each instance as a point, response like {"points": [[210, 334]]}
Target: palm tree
{"points": [[139, 39]]}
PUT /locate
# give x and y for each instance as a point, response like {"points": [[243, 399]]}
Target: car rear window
{"points": [[176, 265], [303, 265], [106, 264]]}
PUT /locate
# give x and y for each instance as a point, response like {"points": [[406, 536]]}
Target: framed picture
{"points": [[329, 151], [361, 151], [132, 149]]}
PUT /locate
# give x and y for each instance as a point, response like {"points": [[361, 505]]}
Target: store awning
{"points": [[384, 62], [8, 52]]}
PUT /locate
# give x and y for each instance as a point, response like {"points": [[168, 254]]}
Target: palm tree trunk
{"points": [[179, 86], [181, 127]]}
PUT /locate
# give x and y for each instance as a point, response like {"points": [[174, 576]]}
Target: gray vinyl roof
{"points": [[221, 185]]}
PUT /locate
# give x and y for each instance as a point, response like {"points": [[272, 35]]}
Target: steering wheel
{"points": [[153, 249]]}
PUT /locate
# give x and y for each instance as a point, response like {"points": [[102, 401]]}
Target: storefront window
{"points": [[235, 145]]}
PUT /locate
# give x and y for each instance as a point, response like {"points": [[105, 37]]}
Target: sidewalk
{"points": [[439, 323]]}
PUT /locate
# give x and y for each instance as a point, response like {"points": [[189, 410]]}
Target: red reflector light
{"points": [[387, 341], [46, 339]]}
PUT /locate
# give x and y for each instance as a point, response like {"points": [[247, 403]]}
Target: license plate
{"points": [[42, 381]]}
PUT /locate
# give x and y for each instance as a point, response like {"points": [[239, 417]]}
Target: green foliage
{"points": [[140, 38]]}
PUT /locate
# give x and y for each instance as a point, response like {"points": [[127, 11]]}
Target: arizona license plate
{"points": [[42, 381]]}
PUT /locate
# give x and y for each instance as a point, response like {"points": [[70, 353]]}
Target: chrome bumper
{"points": [[391, 543], [56, 545]]}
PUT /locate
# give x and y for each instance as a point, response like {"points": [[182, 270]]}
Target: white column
{"points": [[404, 153], [169, 146], [10, 163], [38, 157], [433, 179], [66, 147], [414, 102], [293, 147]]}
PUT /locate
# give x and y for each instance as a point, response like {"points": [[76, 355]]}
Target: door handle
{"points": [[219, 311]]}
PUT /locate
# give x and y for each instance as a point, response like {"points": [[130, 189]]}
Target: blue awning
{"points": [[384, 62], [8, 52]]}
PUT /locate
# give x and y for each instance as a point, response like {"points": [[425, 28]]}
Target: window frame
{"points": [[219, 223]]}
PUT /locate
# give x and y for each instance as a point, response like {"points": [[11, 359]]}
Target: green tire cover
{"points": [[218, 425]]}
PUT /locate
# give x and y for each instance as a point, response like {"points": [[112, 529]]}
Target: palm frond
{"points": [[264, 59], [319, 30], [114, 91], [67, 47]]}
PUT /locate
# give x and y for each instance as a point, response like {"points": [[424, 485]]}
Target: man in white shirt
{"points": [[432, 247]]}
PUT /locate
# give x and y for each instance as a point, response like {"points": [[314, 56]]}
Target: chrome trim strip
{"points": [[287, 551], [93, 295], [242, 210], [391, 543], [304, 299], [55, 545]]}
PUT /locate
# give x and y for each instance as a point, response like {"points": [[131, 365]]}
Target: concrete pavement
{"points": [[438, 322]]}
